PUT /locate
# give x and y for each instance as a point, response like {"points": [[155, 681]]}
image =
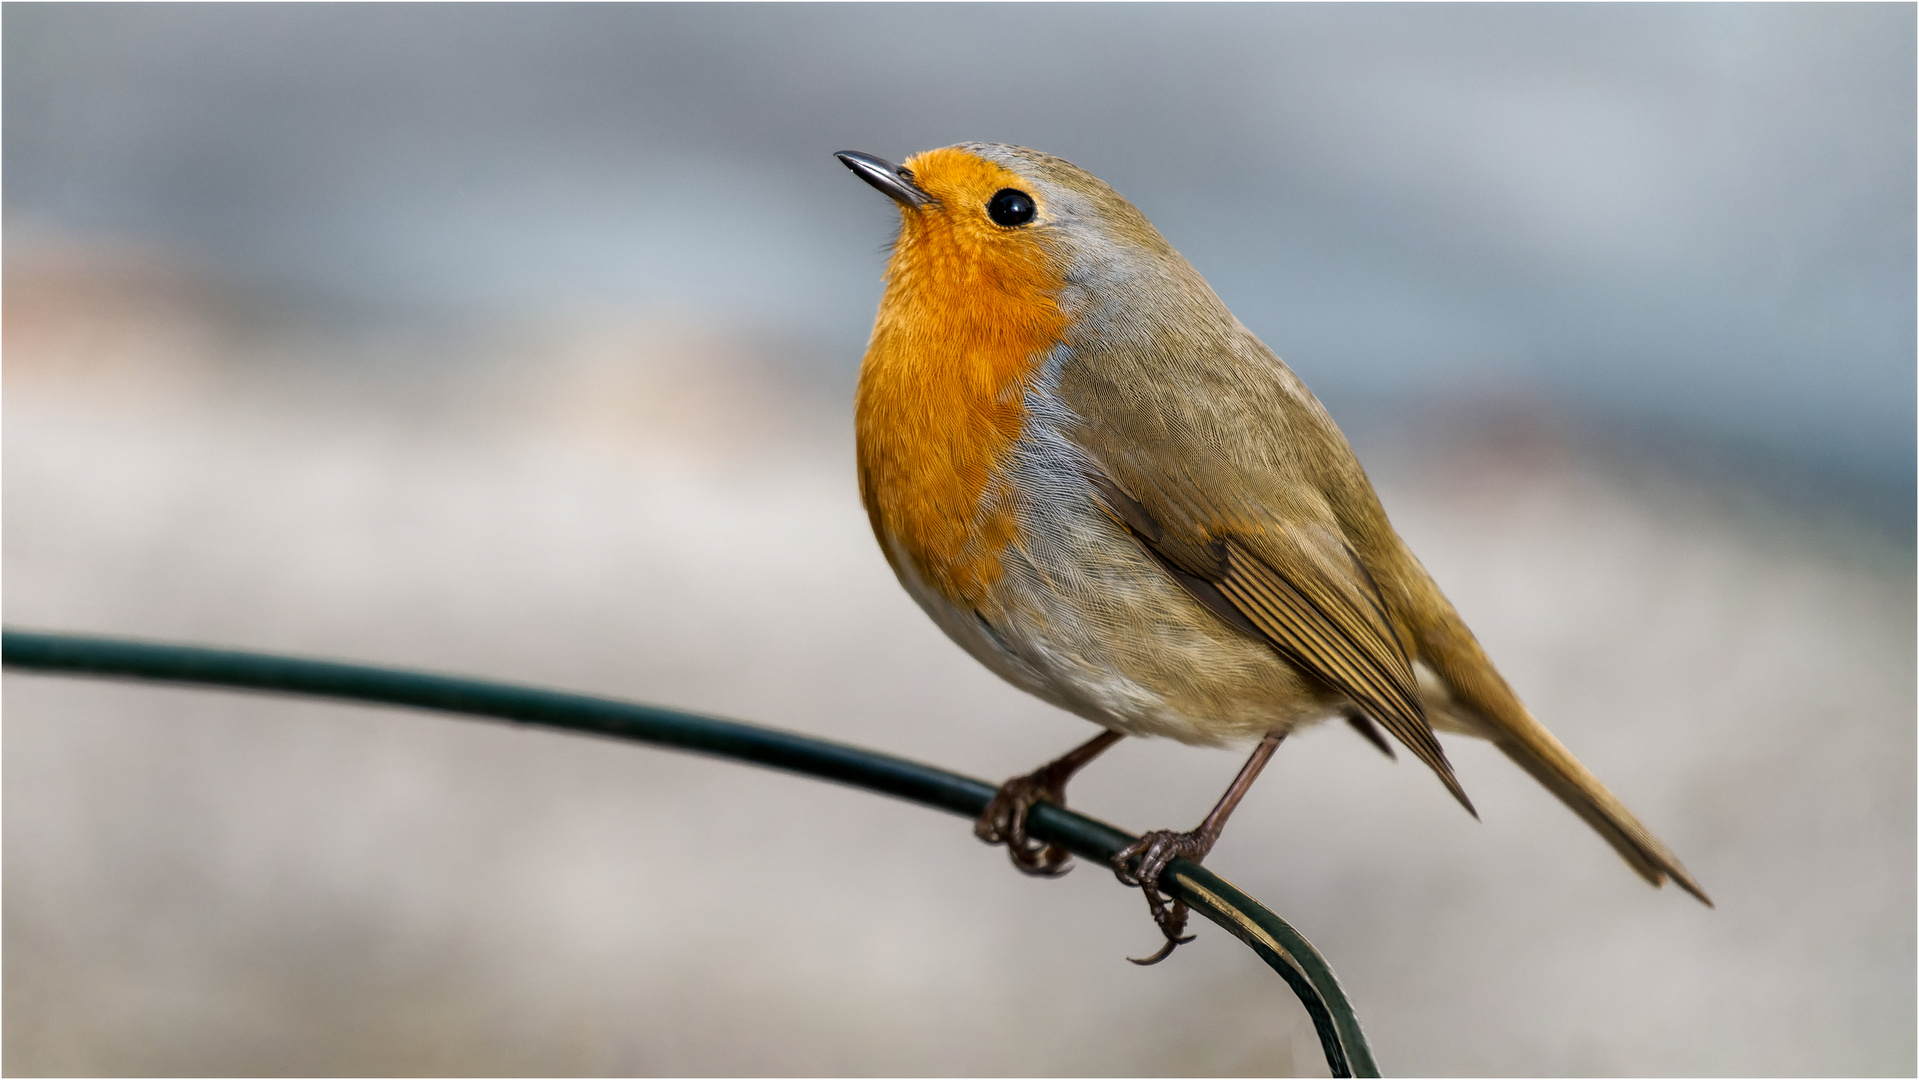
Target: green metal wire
{"points": [[1267, 934]]}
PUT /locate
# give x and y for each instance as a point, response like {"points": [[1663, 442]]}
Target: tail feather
{"points": [[1535, 749], [1482, 697]]}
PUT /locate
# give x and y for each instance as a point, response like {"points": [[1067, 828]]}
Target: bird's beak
{"points": [[886, 176]]}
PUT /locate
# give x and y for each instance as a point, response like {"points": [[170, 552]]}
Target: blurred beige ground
{"points": [[205, 883]]}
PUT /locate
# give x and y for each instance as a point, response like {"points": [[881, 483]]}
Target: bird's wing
{"points": [[1211, 452], [1296, 584]]}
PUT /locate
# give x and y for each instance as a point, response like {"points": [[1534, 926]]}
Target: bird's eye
{"points": [[1010, 207]]}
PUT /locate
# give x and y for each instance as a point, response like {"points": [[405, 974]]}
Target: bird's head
{"points": [[1004, 232]]}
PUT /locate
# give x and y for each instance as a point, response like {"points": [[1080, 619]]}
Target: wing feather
{"points": [[1331, 639], [1323, 614]]}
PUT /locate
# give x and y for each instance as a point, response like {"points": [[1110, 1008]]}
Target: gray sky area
{"points": [[1691, 221]]}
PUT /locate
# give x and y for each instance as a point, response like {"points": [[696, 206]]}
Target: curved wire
{"points": [[1347, 1053]]}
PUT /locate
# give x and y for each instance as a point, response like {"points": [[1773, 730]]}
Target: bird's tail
{"points": [[1491, 707], [1547, 759]]}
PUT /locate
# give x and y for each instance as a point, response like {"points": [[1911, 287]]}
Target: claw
{"points": [[1165, 951], [1141, 862], [1004, 819], [1153, 852], [1004, 822], [1040, 860]]}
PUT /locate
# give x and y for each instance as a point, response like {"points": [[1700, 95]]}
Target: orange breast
{"points": [[969, 312]]}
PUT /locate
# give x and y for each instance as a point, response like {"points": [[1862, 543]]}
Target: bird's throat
{"points": [[964, 323]]}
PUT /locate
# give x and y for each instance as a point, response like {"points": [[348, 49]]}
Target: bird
{"points": [[1107, 490]]}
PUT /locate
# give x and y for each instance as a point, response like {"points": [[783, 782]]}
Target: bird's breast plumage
{"points": [[962, 329]]}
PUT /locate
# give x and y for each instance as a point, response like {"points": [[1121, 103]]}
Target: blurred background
{"points": [[519, 341]]}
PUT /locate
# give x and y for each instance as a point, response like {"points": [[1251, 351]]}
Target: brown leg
{"points": [[1004, 820], [1161, 846]]}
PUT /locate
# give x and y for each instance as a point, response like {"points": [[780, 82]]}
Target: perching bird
{"points": [[1107, 490]]}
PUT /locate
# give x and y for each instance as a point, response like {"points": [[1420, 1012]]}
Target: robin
{"points": [[1108, 491]]}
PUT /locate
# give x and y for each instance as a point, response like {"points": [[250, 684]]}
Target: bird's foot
{"points": [[1004, 822], [1142, 862]]}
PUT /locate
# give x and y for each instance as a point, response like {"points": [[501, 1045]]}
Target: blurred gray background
{"points": [[520, 340]]}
